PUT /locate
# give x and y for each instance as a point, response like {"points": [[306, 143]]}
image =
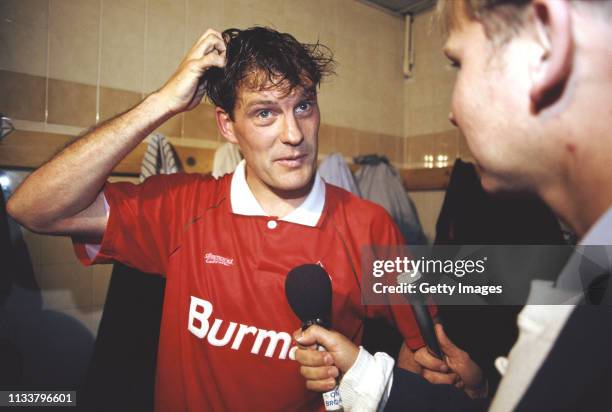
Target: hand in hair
{"points": [[184, 90]]}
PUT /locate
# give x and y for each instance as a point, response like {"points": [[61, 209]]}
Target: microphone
{"points": [[309, 292], [421, 314]]}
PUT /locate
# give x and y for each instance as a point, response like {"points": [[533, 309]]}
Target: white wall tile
{"points": [[73, 40], [23, 36], [122, 45], [165, 42], [66, 285]]}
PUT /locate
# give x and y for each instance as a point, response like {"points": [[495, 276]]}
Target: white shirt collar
{"points": [[244, 202]]}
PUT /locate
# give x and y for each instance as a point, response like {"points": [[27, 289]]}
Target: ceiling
{"points": [[402, 7]]}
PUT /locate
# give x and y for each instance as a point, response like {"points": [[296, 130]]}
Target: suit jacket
{"points": [[576, 375], [410, 392]]}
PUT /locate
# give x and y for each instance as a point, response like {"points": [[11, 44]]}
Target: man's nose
{"points": [[292, 133]]}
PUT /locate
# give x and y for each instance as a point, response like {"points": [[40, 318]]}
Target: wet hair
{"points": [[260, 58]]}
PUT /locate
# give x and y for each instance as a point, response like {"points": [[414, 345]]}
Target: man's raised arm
{"points": [[64, 196]]}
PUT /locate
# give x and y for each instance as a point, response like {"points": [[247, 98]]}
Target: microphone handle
{"points": [[426, 326], [331, 399]]}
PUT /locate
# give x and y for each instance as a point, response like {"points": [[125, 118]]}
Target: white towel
{"points": [[227, 157], [159, 158]]}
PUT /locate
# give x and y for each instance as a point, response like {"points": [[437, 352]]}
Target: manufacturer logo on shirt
{"points": [[218, 260]]}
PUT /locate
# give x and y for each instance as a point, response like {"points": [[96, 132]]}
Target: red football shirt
{"points": [[225, 340]]}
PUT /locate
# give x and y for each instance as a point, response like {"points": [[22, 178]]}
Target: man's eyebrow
{"points": [[259, 102], [308, 94]]}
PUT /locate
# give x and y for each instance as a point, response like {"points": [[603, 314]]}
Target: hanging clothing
{"points": [[470, 215], [227, 156], [159, 158], [380, 182], [124, 360], [335, 171]]}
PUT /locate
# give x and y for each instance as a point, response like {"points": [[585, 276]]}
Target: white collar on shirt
{"points": [[244, 203]]}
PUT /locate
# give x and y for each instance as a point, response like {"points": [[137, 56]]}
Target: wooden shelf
{"points": [[29, 150]]}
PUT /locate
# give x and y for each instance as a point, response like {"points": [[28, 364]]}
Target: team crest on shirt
{"points": [[218, 260]]}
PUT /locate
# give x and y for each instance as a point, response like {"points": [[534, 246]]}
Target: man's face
{"points": [[490, 105], [277, 133]]}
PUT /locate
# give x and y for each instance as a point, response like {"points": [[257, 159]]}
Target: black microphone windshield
{"points": [[309, 292]]}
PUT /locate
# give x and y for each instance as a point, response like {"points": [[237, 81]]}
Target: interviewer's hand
{"points": [[463, 373], [322, 368], [184, 90]]}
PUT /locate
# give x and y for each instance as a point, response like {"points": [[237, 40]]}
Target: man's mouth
{"points": [[292, 161]]}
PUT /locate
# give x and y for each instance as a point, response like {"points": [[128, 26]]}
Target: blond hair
{"points": [[501, 18]]}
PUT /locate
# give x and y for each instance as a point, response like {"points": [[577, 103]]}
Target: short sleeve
{"points": [[385, 233], [144, 222]]}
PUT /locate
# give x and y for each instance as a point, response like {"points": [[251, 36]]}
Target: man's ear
{"points": [[552, 21], [225, 125]]}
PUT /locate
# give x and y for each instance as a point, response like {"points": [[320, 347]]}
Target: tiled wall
{"points": [[430, 139], [428, 204], [75, 62], [66, 286]]}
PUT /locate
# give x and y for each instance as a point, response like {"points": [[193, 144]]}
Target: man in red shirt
{"points": [[224, 245]]}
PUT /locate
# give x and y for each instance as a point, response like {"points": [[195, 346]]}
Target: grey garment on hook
{"points": [[380, 183], [335, 171]]}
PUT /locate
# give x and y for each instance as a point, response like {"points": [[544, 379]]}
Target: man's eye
{"points": [[264, 114], [455, 64], [302, 107]]}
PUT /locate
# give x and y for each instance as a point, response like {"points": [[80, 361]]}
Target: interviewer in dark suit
{"points": [[533, 97]]}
